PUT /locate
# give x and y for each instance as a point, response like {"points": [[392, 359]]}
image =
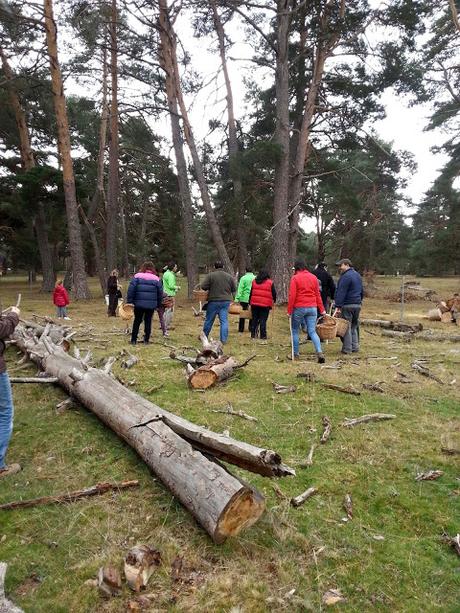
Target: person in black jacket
{"points": [[112, 291], [327, 284]]}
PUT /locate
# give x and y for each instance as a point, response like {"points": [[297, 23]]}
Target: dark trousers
{"points": [[350, 342], [113, 303], [259, 320], [241, 322], [139, 315]]}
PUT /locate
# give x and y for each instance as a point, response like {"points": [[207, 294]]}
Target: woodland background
{"points": [[119, 172]]}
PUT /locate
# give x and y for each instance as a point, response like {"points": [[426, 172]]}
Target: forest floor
{"points": [[389, 557]]}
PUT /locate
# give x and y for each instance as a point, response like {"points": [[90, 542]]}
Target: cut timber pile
{"points": [[209, 366], [169, 445]]}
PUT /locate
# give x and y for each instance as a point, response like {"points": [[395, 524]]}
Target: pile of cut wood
{"points": [[408, 332], [447, 311], [186, 457], [210, 365]]}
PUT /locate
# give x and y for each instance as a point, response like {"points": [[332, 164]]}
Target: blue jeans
{"points": [[309, 315], [217, 308], [6, 416], [61, 311]]}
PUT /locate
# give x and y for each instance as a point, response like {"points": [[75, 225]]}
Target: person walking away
{"points": [[348, 299], [112, 291], [242, 294], [8, 323], [146, 294], [170, 288], [304, 302], [262, 299], [326, 283], [221, 288], [61, 300]]}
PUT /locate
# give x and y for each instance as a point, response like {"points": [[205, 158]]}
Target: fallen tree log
{"points": [[364, 419], [6, 606], [215, 371], [95, 490], [428, 335], [406, 336], [220, 502], [392, 325]]}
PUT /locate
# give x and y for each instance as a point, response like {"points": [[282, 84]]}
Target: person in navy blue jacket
{"points": [[145, 291], [348, 300]]}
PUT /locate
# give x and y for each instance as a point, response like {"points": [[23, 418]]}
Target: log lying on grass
{"points": [[392, 325], [169, 445], [6, 606]]}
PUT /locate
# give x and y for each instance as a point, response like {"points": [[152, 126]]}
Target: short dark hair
{"points": [[248, 268], [321, 264], [218, 264], [171, 265], [300, 265], [262, 276]]}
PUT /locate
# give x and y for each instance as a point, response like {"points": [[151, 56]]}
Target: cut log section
{"points": [[213, 372], [392, 325], [221, 503]]}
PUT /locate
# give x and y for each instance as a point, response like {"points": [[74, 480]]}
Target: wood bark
{"points": [[27, 163], [6, 606], [233, 147], [80, 285], [113, 191], [168, 44], [392, 325], [211, 373], [280, 232]]}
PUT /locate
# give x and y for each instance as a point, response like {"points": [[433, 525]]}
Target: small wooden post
{"points": [[401, 316]]}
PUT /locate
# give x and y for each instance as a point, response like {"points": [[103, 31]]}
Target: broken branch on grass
{"points": [[298, 500], [34, 380], [246, 362], [349, 389], [374, 387], [229, 411], [454, 542], [283, 389], [130, 361], [430, 475], [348, 506], [99, 488], [6, 606], [423, 370], [350, 423], [309, 460], [327, 424]]}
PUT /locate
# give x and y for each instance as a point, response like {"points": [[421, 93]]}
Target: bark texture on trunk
{"points": [[181, 166], [113, 191], [233, 148], [221, 503], [80, 285], [280, 261], [169, 54], [27, 163]]}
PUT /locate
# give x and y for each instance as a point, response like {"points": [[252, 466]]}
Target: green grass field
{"points": [[389, 557]]}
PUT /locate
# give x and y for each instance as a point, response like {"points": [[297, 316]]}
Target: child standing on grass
{"points": [[61, 300]]}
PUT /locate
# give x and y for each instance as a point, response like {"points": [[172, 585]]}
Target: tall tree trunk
{"points": [[181, 165], [80, 285], [168, 45], [280, 232], [233, 149], [113, 192], [27, 163], [124, 238], [326, 43]]}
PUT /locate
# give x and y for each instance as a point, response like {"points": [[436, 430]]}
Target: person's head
{"points": [[321, 265], [218, 265], [344, 264], [262, 276], [300, 265], [114, 273], [172, 266], [248, 268], [148, 266], [59, 282]]}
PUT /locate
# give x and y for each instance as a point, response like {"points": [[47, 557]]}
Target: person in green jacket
{"points": [[170, 288], [243, 293]]}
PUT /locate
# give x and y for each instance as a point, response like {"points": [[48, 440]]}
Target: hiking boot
{"points": [[133, 342], [321, 358], [290, 358], [12, 469]]}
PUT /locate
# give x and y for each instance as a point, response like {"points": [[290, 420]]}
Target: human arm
{"points": [[66, 296], [273, 293], [241, 288], [319, 301], [8, 323], [292, 295], [131, 295], [206, 285], [341, 291]]}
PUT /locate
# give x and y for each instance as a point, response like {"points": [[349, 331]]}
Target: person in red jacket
{"points": [[261, 299], [303, 305], [61, 300]]}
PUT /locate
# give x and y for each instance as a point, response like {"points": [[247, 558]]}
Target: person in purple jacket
{"points": [[8, 323], [145, 292]]}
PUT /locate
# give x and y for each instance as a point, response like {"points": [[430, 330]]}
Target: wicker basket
{"points": [[326, 328], [235, 308], [446, 318], [201, 295], [342, 326], [126, 311]]}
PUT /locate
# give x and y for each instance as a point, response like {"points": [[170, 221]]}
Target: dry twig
{"points": [[349, 423], [327, 429]]}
